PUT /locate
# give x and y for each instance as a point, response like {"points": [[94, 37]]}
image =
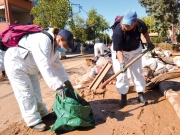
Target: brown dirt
{"points": [[157, 118]]}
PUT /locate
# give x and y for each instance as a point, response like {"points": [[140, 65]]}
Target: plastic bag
{"points": [[177, 60], [72, 112]]}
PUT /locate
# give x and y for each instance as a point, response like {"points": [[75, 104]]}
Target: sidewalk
{"points": [[76, 54]]}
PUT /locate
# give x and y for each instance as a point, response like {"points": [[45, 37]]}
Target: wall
{"points": [[23, 18], [3, 26], [1, 2], [2, 12]]}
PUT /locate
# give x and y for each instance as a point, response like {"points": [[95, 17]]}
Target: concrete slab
{"points": [[171, 90]]}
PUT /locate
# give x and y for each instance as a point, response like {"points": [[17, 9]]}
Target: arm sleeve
{"points": [[117, 46], [143, 28], [43, 51], [59, 69], [117, 39]]}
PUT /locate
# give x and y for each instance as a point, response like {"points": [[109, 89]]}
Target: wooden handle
{"points": [[120, 71]]}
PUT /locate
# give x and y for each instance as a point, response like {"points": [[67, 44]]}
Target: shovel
{"points": [[101, 87]]}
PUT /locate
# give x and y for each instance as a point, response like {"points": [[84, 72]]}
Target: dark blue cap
{"points": [[68, 36]]}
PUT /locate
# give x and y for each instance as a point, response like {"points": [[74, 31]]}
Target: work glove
{"points": [[60, 91], [122, 67], [150, 46], [68, 84]]}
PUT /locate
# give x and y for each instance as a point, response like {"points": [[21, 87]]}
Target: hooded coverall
{"points": [[3, 49], [2, 60], [22, 67], [99, 47]]}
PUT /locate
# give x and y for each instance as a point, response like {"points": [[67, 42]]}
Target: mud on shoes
{"points": [[39, 127], [123, 102], [141, 98]]}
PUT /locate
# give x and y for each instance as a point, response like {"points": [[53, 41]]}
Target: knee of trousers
{"points": [[122, 88]]}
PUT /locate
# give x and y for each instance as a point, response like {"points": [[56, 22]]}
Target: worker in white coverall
{"points": [[99, 46], [126, 43], [35, 53], [3, 49]]}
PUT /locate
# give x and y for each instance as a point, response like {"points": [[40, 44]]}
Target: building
{"points": [[12, 11]]}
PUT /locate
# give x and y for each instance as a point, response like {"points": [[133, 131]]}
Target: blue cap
{"points": [[68, 36], [129, 17]]}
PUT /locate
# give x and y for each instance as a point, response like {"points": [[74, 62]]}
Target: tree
{"points": [[150, 22], [54, 13], [165, 12], [78, 28], [89, 29], [96, 23]]}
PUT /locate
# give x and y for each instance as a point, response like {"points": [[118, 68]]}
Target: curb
{"points": [[171, 90]]}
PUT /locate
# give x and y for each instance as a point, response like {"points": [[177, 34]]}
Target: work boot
{"points": [[39, 127], [3, 73], [141, 98], [123, 102]]}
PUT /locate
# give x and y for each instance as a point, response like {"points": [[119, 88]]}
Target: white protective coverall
{"points": [[2, 53], [135, 70], [99, 47], [23, 71]]}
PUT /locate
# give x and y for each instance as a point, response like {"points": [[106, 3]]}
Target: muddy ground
{"points": [[157, 118]]}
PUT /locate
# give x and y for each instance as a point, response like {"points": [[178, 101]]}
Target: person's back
{"points": [[34, 49]]}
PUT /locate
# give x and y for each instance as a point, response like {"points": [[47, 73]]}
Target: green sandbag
{"points": [[72, 112]]}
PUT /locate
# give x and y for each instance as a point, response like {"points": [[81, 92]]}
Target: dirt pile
{"points": [[157, 118]]}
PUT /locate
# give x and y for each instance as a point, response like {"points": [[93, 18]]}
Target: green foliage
{"points": [[53, 13], [97, 23], [150, 23], [89, 29], [165, 13], [157, 39], [77, 27]]}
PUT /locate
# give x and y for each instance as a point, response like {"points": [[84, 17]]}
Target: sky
{"points": [[109, 9]]}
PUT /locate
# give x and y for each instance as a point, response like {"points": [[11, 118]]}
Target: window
{"points": [[2, 18]]}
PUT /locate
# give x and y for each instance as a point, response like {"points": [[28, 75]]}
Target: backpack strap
{"points": [[49, 35], [44, 32]]}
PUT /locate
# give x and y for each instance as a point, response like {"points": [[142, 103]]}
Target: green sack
{"points": [[72, 112]]}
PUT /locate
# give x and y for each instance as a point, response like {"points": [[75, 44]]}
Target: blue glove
{"points": [[122, 67], [150, 46], [61, 92]]}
